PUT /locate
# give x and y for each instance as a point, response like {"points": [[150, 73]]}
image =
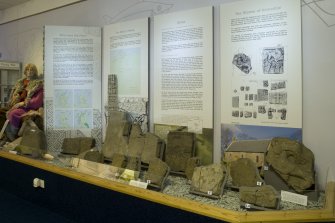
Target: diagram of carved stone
{"points": [[273, 60], [242, 62]]}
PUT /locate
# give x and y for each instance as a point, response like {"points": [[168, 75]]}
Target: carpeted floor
{"points": [[16, 210]]}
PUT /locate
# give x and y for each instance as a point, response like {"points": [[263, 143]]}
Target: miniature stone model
{"points": [[209, 180], [293, 162], [263, 196], [245, 173], [180, 147]]}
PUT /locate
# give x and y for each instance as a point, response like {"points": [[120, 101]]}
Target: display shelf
{"points": [[319, 215]]}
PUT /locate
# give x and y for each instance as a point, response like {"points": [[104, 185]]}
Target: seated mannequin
{"points": [[27, 95]]}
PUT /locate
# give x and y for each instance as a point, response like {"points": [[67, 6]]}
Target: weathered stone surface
{"points": [[151, 148], [244, 173], [180, 147], [293, 162], [157, 172], [209, 179], [75, 146], [115, 141], [94, 156], [119, 160], [133, 163], [264, 196], [33, 142], [136, 141], [190, 165]]}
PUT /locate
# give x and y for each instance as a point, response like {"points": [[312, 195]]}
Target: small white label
{"points": [[266, 168], [246, 205], [148, 181], [209, 192], [139, 184], [294, 198], [12, 152], [259, 183]]}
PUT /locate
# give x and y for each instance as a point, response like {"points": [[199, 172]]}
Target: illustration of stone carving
{"points": [[75, 146], [242, 62], [190, 165], [264, 196], [278, 98], [262, 94], [244, 172], [208, 180], [112, 93], [116, 141], [273, 60], [293, 162], [157, 173], [180, 147]]}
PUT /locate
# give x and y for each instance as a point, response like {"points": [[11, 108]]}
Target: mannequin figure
{"points": [[26, 95]]}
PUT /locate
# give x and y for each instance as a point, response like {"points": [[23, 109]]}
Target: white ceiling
{"points": [[4, 4]]}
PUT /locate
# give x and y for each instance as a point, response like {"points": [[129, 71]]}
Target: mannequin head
{"points": [[30, 71]]}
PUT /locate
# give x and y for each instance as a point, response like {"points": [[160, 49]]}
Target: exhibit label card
{"points": [[261, 75], [72, 69], [183, 69], [125, 59]]}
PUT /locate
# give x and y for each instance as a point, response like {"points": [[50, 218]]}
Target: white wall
{"points": [[22, 41]]}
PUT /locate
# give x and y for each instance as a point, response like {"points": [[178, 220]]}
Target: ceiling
{"points": [[4, 4]]}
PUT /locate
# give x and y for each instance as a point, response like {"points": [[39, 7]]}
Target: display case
{"points": [[10, 72], [66, 188]]}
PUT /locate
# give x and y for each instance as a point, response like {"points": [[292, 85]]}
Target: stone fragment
{"points": [[119, 160], [209, 180], [263, 196], [94, 156], [244, 173], [115, 141], [190, 165], [157, 172], [293, 162], [180, 147], [33, 142], [75, 146], [136, 141], [133, 163], [151, 149]]}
